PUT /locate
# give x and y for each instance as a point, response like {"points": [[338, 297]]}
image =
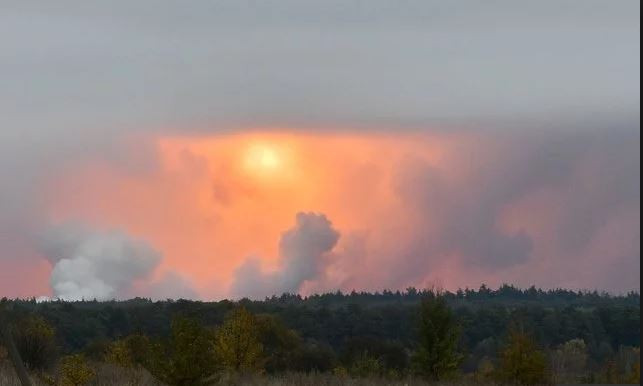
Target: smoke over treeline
{"points": [[512, 153]]}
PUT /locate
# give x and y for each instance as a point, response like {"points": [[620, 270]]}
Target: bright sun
{"points": [[263, 158]]}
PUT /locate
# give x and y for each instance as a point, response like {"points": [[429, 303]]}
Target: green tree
{"points": [[186, 358], [438, 357], [35, 340], [521, 362], [279, 343], [237, 343]]}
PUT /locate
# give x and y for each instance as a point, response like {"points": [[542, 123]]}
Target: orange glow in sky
{"points": [[411, 209], [212, 202]]}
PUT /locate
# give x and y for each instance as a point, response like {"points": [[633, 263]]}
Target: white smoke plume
{"points": [[304, 252], [96, 265]]}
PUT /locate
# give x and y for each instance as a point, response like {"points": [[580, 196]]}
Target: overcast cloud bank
{"points": [[549, 89]]}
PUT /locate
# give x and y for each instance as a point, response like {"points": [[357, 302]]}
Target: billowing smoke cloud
{"points": [[506, 206], [96, 265], [304, 256]]}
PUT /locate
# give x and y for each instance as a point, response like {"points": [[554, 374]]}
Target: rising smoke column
{"points": [[304, 253], [88, 264]]}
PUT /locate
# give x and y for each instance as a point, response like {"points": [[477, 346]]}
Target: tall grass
{"points": [[107, 375], [297, 379]]}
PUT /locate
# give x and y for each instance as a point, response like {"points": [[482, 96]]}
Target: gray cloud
{"points": [[96, 265], [591, 177], [304, 253], [92, 67], [80, 79]]}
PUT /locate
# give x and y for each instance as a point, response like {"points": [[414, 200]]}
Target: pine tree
{"points": [[438, 357]]}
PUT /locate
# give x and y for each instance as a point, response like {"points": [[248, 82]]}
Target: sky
{"points": [[247, 148]]}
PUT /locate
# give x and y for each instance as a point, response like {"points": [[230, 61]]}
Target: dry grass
{"points": [[8, 377], [317, 380], [107, 375]]}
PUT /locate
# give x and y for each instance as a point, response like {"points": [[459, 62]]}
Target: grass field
{"points": [[112, 376]]}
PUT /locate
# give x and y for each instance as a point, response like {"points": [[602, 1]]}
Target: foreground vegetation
{"points": [[506, 336], [109, 376]]}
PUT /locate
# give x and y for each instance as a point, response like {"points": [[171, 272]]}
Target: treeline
{"points": [[506, 335]]}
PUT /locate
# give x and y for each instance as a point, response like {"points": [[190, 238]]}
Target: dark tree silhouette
{"points": [[437, 357]]}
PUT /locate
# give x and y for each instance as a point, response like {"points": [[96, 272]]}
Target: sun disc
{"points": [[263, 158]]}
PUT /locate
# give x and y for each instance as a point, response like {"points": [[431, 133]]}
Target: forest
{"points": [[484, 336]]}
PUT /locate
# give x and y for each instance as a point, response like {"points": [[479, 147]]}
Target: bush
{"points": [[74, 371], [366, 366], [130, 352], [392, 356]]}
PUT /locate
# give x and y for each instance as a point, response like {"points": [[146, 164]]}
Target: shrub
{"points": [[130, 352], [392, 356], [366, 366], [74, 371]]}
